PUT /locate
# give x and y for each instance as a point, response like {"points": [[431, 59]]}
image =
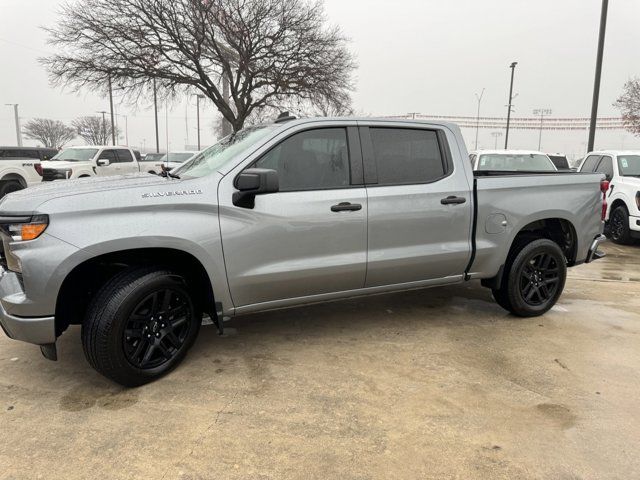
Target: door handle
{"points": [[346, 207], [453, 200]]}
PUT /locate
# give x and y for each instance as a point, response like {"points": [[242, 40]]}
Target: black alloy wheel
{"points": [[539, 279], [157, 328]]}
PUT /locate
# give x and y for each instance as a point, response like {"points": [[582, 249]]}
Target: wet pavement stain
{"points": [[558, 413], [83, 398]]}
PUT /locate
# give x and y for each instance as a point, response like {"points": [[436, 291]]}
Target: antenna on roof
{"points": [[285, 117]]}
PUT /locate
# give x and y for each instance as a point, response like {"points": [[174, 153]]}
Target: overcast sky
{"points": [[427, 56]]}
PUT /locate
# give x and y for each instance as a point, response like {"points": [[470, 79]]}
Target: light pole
{"points": [[541, 112], [104, 125], [506, 137], [479, 98], [17, 117], [596, 84], [155, 113], [113, 129], [198, 97], [496, 135]]}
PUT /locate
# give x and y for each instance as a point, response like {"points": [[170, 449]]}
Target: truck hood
{"points": [[29, 199], [56, 164]]}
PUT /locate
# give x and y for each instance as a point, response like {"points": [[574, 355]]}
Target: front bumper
{"points": [[38, 330], [593, 253]]}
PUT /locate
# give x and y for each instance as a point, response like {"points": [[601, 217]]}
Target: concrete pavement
{"points": [[437, 383]]}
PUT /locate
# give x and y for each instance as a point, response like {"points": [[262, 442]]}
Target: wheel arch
{"points": [[82, 283], [14, 177], [557, 229]]}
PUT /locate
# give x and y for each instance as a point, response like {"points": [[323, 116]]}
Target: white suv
{"points": [[622, 169]]}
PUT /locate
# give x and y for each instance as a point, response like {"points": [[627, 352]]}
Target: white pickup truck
{"points": [[92, 161], [622, 170], [20, 167]]}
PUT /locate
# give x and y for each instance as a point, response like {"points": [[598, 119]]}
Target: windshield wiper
{"points": [[167, 173]]}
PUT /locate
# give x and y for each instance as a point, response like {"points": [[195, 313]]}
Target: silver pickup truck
{"points": [[279, 215]]}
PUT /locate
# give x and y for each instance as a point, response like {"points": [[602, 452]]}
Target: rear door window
{"points": [[407, 156]]}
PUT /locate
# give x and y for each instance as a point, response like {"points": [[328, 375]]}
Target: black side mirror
{"points": [[252, 182]]}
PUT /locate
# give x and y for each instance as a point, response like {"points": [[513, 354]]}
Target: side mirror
{"points": [[252, 182], [103, 162]]}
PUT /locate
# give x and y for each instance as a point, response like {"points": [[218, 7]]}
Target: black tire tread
{"points": [[101, 313]]}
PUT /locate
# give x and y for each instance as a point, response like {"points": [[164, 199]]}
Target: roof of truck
{"points": [[614, 152], [508, 152]]}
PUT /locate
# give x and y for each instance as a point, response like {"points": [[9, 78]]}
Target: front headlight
{"points": [[63, 173], [15, 229]]}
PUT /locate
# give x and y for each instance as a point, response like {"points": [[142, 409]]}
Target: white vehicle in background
{"points": [[91, 161], [20, 167], [511, 161], [174, 159], [622, 170]]}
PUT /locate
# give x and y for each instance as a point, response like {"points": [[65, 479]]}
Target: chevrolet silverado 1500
{"points": [[281, 215]]}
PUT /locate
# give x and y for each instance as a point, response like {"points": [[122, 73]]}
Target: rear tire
{"points": [[140, 326], [9, 186], [619, 230], [534, 280]]}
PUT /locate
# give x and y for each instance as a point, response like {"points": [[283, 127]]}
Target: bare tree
{"points": [[268, 52], [93, 130], [629, 105], [51, 133]]}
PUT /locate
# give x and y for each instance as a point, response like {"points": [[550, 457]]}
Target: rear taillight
{"points": [[604, 188], [38, 168]]}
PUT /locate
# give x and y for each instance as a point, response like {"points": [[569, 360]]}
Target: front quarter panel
{"points": [[181, 215]]}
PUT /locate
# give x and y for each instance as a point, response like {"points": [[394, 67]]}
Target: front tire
{"points": [[619, 230], [140, 326], [535, 279], [9, 186]]}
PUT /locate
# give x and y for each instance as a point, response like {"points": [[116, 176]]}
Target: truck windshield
{"points": [[511, 162], [76, 154], [214, 157], [629, 165]]}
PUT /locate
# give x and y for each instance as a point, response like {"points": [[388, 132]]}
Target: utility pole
{"points": [[479, 98], [155, 110], [541, 112], [226, 89], [496, 135], [596, 84], [513, 71], [17, 119], [113, 125], [104, 125], [198, 97]]}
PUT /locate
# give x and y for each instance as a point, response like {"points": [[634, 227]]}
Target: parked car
{"points": [[622, 169], [174, 159], [153, 157], [560, 161], [511, 161], [91, 161], [280, 215], [20, 167]]}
